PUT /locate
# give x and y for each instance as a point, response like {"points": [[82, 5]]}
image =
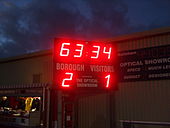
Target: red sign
{"points": [[84, 64]]}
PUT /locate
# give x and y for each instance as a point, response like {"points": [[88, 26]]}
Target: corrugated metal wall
{"points": [[93, 111], [22, 71], [139, 101], [144, 42], [146, 100]]}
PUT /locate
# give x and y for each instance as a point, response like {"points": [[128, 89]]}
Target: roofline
{"points": [[139, 35], [27, 56], [118, 39]]}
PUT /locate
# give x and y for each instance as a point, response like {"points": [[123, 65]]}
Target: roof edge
{"points": [[137, 35], [27, 56]]}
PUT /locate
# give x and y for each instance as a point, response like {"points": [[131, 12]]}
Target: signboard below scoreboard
{"points": [[84, 65]]}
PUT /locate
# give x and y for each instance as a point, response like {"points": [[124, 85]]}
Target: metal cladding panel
{"points": [[93, 111], [144, 100], [24, 86], [139, 101], [144, 42], [21, 71]]}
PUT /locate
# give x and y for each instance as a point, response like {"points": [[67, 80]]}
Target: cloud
{"points": [[108, 18], [34, 25]]}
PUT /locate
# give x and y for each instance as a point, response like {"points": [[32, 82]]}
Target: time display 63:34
{"points": [[85, 52], [96, 59]]}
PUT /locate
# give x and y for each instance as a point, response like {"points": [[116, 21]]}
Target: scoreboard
{"points": [[84, 65]]}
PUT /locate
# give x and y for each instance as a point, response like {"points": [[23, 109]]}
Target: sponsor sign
{"points": [[145, 64]]}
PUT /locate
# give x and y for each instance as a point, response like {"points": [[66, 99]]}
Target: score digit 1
{"points": [[108, 81]]}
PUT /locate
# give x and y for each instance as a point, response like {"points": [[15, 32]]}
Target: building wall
{"points": [[144, 100], [155, 40], [134, 101], [21, 71], [93, 111]]}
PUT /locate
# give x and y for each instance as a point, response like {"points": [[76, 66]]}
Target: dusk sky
{"points": [[31, 25]]}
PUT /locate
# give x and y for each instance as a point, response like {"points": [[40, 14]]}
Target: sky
{"points": [[31, 25]]}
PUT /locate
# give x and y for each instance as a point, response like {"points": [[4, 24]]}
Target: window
{"points": [[37, 78]]}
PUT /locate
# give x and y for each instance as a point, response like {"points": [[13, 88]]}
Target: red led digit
{"points": [[70, 77], [107, 52], [64, 51], [96, 52], [79, 50], [108, 81]]}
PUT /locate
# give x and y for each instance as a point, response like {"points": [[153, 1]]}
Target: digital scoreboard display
{"points": [[84, 64]]}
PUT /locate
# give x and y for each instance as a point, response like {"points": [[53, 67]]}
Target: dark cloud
{"points": [[32, 25], [108, 18]]}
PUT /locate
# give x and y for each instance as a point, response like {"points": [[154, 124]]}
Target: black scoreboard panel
{"points": [[84, 64]]}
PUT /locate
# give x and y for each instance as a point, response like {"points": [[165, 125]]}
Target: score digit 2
{"points": [[66, 82]]}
